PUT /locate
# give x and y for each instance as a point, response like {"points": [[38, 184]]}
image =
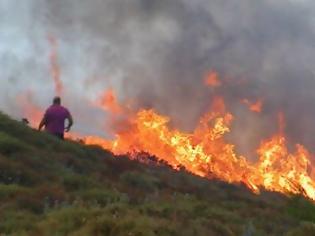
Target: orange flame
{"points": [[212, 79], [281, 122], [54, 66], [109, 102], [281, 171], [206, 153], [254, 106]]}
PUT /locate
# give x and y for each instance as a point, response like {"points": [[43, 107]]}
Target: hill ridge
{"points": [[51, 187]]}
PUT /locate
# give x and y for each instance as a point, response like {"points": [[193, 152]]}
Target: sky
{"points": [[158, 53]]}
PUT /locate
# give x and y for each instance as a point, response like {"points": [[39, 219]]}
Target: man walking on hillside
{"points": [[54, 119]]}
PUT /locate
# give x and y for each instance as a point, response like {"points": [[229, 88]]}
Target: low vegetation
{"points": [[54, 188]]}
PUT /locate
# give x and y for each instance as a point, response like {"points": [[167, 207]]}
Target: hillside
{"points": [[49, 187]]}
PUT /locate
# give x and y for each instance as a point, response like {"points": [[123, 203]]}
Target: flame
{"points": [[109, 102], [281, 123], [203, 152], [212, 79], [54, 66], [254, 106], [206, 153], [283, 171]]}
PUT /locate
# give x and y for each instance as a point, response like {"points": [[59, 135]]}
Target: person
{"points": [[54, 119]]}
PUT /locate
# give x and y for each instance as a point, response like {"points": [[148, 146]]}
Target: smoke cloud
{"points": [[159, 52]]}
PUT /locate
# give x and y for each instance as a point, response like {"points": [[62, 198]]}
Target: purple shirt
{"points": [[55, 117]]}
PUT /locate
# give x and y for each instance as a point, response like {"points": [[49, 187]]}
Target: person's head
{"points": [[57, 101]]}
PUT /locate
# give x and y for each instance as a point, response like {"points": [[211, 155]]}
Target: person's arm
{"points": [[70, 123], [42, 123]]}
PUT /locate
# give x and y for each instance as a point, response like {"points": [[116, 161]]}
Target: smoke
{"points": [[159, 53]]}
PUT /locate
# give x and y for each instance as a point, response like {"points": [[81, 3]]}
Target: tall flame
{"points": [[206, 153], [281, 170], [54, 66]]}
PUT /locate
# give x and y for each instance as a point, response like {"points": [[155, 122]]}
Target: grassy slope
{"points": [[48, 187]]}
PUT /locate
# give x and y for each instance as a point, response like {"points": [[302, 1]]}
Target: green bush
{"points": [[307, 229], [302, 209], [13, 222], [10, 145], [66, 220], [159, 209], [75, 182], [103, 225], [16, 172], [12, 190], [30, 203], [100, 197], [140, 181], [220, 229]]}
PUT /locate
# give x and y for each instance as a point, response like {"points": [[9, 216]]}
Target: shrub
{"points": [[104, 225], [66, 220], [13, 222], [307, 229], [69, 147], [74, 182], [11, 190], [302, 209], [220, 229], [15, 172], [159, 209], [100, 196], [51, 195], [30, 203], [140, 181], [135, 225], [10, 145]]}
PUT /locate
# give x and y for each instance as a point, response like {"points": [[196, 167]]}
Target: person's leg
{"points": [[60, 136]]}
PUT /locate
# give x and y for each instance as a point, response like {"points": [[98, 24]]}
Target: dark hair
{"points": [[57, 101]]}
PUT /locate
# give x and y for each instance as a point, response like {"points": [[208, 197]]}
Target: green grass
{"points": [[49, 187]]}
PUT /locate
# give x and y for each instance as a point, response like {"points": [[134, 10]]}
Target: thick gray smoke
{"points": [[158, 51]]}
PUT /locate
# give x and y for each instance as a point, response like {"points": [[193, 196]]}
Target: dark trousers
{"points": [[59, 136]]}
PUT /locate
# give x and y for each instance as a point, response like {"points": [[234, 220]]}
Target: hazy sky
{"points": [[158, 51]]}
